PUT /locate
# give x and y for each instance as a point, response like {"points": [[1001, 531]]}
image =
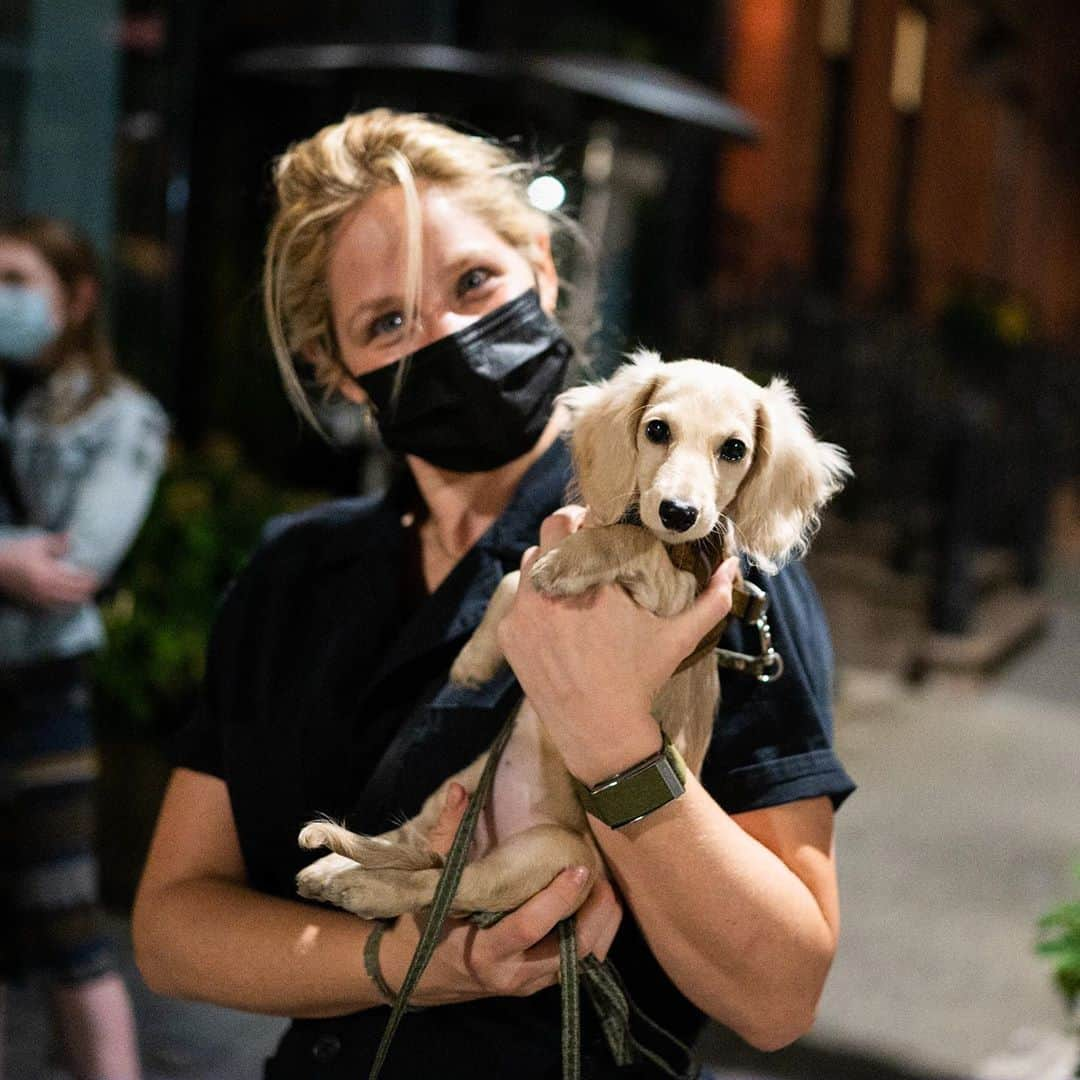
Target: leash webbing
{"points": [[570, 993], [444, 896], [606, 991], [614, 1005]]}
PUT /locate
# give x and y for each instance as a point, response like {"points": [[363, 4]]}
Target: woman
{"points": [[80, 453], [327, 691]]}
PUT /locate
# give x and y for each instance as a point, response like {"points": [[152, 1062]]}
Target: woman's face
{"points": [[467, 271], [22, 265]]}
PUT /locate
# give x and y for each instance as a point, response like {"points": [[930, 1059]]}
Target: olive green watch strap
{"points": [[636, 792]]}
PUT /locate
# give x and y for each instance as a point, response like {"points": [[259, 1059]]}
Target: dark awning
{"points": [[647, 87]]}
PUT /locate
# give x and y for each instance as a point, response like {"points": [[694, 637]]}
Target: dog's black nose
{"points": [[677, 516]]}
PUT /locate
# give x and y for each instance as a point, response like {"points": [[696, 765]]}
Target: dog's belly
{"points": [[527, 785]]}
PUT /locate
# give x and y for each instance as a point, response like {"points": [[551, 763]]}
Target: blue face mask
{"points": [[26, 324]]}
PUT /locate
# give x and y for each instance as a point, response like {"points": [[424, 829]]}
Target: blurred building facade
{"points": [[906, 147]]}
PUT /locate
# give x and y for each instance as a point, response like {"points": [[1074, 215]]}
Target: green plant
{"points": [[1060, 941], [206, 517]]}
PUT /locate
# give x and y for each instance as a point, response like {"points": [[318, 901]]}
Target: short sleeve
{"points": [[773, 742], [198, 744]]}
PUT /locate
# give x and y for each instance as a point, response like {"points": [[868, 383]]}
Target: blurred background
{"points": [[879, 199]]}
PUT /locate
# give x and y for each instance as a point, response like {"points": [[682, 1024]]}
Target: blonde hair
{"points": [[321, 179]]}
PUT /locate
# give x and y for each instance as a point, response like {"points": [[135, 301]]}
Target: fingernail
{"points": [[578, 874], [455, 793]]}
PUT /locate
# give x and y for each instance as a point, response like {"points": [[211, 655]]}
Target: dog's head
{"points": [[698, 447]]}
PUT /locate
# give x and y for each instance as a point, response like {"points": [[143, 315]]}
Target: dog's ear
{"points": [[603, 435], [791, 477]]}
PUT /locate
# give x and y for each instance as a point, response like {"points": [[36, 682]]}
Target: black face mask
{"points": [[479, 398]]}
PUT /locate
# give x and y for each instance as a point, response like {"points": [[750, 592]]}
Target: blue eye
{"points": [[473, 279], [387, 324]]}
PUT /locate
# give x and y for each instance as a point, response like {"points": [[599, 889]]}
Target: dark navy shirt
{"points": [[326, 693]]}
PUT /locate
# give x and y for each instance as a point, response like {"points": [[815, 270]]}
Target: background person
{"points": [[326, 687], [81, 449]]}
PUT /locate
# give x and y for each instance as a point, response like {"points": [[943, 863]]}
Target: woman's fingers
{"points": [[598, 920], [558, 526], [525, 585], [522, 929], [441, 837], [712, 604], [607, 935]]}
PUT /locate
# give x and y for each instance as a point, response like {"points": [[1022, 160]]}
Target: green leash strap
{"points": [[444, 896], [569, 990], [613, 1006]]}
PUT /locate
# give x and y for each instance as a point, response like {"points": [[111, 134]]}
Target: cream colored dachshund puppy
{"points": [[698, 454]]}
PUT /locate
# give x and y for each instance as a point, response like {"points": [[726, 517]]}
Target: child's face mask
{"points": [[27, 328]]}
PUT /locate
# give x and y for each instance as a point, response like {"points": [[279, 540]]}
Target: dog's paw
{"points": [[383, 894], [662, 594], [475, 665], [317, 834], [365, 895], [551, 575], [316, 882]]}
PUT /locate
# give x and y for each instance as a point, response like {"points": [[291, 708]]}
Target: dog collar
{"points": [[748, 602]]}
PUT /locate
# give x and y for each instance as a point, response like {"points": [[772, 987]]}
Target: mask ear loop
{"points": [[367, 409]]}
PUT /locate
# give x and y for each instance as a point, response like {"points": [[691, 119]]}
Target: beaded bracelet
{"points": [[371, 963]]}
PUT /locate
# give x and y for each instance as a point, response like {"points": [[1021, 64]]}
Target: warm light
{"points": [[909, 60], [834, 29], [307, 940], [546, 193]]}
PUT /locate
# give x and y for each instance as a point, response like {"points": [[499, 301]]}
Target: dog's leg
{"points": [[626, 555], [501, 881], [404, 848], [523, 865], [371, 894], [481, 657]]}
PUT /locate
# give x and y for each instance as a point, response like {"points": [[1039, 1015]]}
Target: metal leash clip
{"points": [[766, 666]]}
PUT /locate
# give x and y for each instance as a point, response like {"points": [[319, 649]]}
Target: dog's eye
{"points": [[733, 450], [656, 431]]}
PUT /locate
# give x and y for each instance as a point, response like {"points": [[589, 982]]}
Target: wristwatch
{"points": [[636, 792]]}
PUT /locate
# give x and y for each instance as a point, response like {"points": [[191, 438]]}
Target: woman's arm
{"points": [[740, 913], [201, 933]]}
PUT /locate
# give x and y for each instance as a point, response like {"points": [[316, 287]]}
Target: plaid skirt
{"points": [[50, 917]]}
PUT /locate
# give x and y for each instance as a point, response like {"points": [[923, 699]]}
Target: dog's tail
{"points": [[402, 849]]}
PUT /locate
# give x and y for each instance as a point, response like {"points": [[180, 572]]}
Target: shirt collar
{"points": [[455, 609]]}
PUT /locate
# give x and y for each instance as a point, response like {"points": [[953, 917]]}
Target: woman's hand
{"points": [[591, 665], [33, 572], [518, 955]]}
